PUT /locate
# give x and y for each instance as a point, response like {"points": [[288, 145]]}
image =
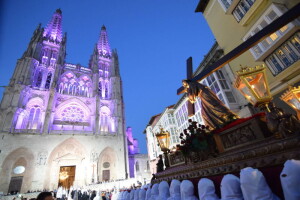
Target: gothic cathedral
{"points": [[62, 123]]}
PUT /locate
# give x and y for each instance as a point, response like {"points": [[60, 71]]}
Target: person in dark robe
{"points": [[93, 195]]}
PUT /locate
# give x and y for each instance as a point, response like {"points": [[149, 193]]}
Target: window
{"points": [[137, 166], [242, 8], [272, 13], [19, 170], [283, 57], [72, 114], [106, 91], [100, 88], [225, 3], [185, 111], [213, 84], [230, 97], [34, 115], [48, 81], [177, 119], [39, 79], [174, 137], [71, 85], [220, 96]]}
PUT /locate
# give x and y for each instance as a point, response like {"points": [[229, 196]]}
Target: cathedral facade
{"points": [[61, 123]]}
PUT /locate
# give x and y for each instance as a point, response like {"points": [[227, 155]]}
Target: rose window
{"points": [[73, 114]]}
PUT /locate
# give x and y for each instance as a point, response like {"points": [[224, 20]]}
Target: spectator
{"points": [[45, 196]]}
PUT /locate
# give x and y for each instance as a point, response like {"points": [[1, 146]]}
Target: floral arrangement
{"points": [[196, 138]]}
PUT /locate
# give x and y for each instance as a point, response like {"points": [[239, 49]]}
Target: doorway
{"points": [[105, 175], [15, 184], [66, 176]]}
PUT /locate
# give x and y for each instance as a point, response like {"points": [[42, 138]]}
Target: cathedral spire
{"points": [[53, 30], [103, 45]]}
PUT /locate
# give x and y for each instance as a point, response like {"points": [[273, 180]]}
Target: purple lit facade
{"points": [[59, 97], [133, 149], [55, 114]]}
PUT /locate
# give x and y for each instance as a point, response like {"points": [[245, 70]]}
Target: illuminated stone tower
{"points": [[57, 117], [107, 83]]}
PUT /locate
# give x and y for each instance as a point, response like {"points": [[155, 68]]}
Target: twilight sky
{"points": [[153, 39]]}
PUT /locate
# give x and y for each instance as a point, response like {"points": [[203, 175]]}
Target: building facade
{"points": [[61, 123], [280, 52], [139, 167]]}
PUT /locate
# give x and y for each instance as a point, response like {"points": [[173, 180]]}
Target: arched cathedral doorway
{"points": [[17, 171], [107, 165], [67, 165]]}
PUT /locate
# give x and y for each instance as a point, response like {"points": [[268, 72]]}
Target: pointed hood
{"points": [[148, 194], [175, 190], [231, 188], [53, 30], [290, 179], [136, 194], [187, 190], [163, 190], [254, 185], [103, 45], [206, 190], [142, 194]]}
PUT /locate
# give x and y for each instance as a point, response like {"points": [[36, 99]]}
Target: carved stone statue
{"points": [[214, 112], [42, 158]]}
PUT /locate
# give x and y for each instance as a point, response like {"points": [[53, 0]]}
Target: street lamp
{"points": [[163, 139], [292, 98], [252, 83]]}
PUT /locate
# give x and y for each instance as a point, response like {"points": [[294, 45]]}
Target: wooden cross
{"points": [[189, 76]]}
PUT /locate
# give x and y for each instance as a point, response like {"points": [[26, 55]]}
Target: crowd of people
{"points": [[82, 194], [249, 185]]}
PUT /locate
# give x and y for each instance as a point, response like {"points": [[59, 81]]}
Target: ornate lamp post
{"points": [[163, 139], [252, 83], [292, 98]]}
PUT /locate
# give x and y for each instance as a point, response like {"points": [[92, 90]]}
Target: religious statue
{"points": [[214, 112], [280, 123], [42, 158]]}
